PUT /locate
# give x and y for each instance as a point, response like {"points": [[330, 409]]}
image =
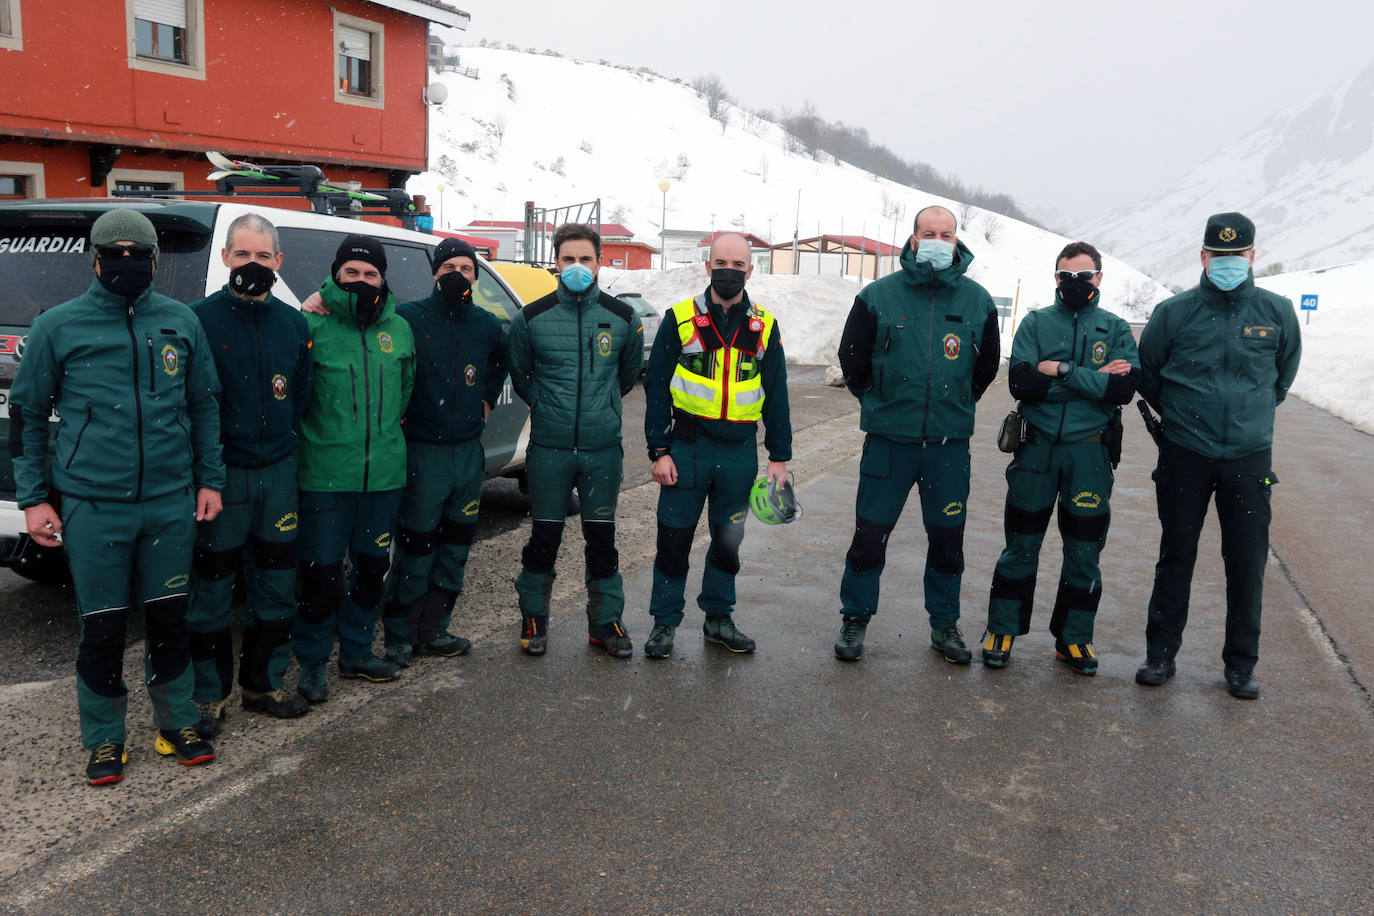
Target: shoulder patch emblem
{"points": [[951, 346], [1099, 353], [170, 361], [384, 341], [279, 387], [470, 375], [603, 343]]}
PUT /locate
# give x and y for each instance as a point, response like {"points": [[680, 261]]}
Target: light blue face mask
{"points": [[1226, 273], [576, 278], [936, 253]]}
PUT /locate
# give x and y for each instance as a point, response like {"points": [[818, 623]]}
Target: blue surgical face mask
{"points": [[936, 253], [1226, 273], [576, 278]]}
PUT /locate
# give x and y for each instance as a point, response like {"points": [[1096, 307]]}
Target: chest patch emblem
{"points": [[755, 325], [1099, 353], [951, 346], [279, 387], [384, 341], [470, 374], [603, 343], [701, 321], [170, 361]]}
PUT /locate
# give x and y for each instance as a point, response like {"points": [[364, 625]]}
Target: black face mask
{"points": [[455, 289], [251, 279], [1077, 294], [126, 276], [727, 282], [369, 299]]}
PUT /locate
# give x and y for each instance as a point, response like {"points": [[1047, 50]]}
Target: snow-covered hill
{"points": [[558, 131], [1337, 371], [1305, 176]]}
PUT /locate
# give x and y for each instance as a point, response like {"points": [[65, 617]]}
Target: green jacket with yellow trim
{"points": [[663, 361], [1215, 364], [351, 439]]}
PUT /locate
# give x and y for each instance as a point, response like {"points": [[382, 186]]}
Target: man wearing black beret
{"points": [[1215, 361]]}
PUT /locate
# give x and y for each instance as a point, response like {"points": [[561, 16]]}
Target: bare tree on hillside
{"points": [[966, 212], [712, 89], [992, 227]]}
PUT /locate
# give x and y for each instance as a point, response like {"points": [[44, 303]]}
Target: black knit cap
{"points": [[359, 248], [1228, 232], [453, 248]]}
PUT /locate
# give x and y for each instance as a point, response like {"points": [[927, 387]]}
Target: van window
{"points": [[47, 264], [309, 254]]}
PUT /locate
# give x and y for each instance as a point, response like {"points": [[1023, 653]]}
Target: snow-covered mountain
{"points": [[558, 131], [1305, 176]]}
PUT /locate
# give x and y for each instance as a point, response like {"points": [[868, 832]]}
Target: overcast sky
{"points": [[1070, 108]]}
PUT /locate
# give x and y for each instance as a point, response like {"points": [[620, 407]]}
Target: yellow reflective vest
{"points": [[714, 378]]}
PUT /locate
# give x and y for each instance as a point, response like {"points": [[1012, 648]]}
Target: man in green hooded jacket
{"points": [[352, 460], [574, 354], [1073, 365], [919, 348]]}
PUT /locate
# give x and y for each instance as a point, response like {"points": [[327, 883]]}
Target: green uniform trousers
{"points": [[887, 472], [332, 524], [259, 514], [553, 473], [1078, 475], [723, 473], [124, 554], [434, 532]]}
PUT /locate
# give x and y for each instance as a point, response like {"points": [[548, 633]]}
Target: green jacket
{"points": [[919, 348], [572, 359], [135, 387], [351, 439], [1215, 364], [1080, 405]]}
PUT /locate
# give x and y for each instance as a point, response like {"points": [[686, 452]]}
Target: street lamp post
{"points": [[663, 186], [441, 204]]}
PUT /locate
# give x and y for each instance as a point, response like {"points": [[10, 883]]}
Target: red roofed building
{"points": [[839, 255], [130, 94], [760, 252], [619, 249]]}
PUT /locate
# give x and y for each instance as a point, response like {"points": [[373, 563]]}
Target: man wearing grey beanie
{"points": [[137, 463]]}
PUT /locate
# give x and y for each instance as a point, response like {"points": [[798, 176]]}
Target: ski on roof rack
{"points": [[235, 176]]}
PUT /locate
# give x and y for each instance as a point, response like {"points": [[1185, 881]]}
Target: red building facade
{"points": [[130, 94]]}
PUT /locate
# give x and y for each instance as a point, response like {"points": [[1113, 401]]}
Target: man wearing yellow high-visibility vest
{"points": [[717, 368]]}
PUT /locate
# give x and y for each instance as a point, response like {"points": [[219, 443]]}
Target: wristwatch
{"points": [[656, 453], [1064, 369]]}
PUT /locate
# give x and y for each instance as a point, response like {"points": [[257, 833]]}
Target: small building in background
{"points": [[836, 255], [620, 249]]}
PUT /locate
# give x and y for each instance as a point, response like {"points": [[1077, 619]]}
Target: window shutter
{"points": [[355, 43], [166, 12]]}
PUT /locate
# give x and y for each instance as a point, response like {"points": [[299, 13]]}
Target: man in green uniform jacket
{"points": [[919, 349], [461, 368], [1072, 367], [574, 354], [137, 464], [1215, 361], [352, 461], [261, 349], [717, 367]]}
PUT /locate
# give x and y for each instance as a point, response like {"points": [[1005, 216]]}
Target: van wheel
{"points": [[45, 566]]}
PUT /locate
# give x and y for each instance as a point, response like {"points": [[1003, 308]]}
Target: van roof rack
{"points": [[234, 177]]}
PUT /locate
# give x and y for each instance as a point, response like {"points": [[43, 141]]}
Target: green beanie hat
{"points": [[123, 226]]}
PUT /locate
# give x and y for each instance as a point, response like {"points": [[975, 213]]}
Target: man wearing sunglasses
{"points": [[919, 348], [137, 464], [261, 348], [1072, 366], [1216, 360]]}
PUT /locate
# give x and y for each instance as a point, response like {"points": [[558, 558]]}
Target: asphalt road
{"points": [[782, 781]]}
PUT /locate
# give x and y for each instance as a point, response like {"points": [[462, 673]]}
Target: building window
{"points": [[142, 181], [167, 36], [21, 180], [11, 31], [358, 54]]}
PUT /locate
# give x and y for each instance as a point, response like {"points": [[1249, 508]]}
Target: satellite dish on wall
{"points": [[434, 94]]}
